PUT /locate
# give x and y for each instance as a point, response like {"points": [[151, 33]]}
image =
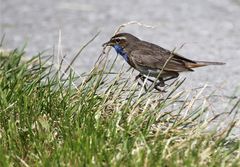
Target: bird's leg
{"points": [[161, 82], [158, 89], [156, 85], [138, 76], [142, 79], [172, 77]]}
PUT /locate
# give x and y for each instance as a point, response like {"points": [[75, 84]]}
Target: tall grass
{"points": [[48, 120]]}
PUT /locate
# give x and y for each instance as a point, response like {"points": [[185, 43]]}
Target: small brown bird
{"points": [[152, 60]]}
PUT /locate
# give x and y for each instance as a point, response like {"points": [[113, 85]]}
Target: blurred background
{"points": [[209, 29]]}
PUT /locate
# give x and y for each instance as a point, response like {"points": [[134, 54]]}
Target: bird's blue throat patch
{"points": [[120, 51]]}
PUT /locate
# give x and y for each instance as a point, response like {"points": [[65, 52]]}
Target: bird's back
{"points": [[154, 56]]}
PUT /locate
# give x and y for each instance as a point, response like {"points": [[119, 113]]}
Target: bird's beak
{"points": [[109, 43]]}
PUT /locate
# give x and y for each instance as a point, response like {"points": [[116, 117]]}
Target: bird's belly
{"points": [[151, 72]]}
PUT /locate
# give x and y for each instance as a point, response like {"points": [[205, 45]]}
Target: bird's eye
{"points": [[117, 40]]}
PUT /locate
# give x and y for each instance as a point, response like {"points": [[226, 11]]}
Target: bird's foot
{"points": [[157, 85]]}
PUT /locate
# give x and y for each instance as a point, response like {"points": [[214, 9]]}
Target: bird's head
{"points": [[121, 39]]}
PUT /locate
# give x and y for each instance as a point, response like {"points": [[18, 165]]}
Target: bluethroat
{"points": [[152, 60]]}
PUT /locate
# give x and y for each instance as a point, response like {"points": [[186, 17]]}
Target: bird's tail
{"points": [[202, 63]]}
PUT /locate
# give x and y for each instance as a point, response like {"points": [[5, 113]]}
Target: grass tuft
{"points": [[46, 120]]}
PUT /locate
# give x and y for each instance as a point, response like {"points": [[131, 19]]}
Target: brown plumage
{"points": [[150, 59]]}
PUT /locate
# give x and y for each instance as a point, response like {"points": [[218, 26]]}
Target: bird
{"points": [[152, 60]]}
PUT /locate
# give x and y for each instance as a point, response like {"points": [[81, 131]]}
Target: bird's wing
{"points": [[159, 59]]}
